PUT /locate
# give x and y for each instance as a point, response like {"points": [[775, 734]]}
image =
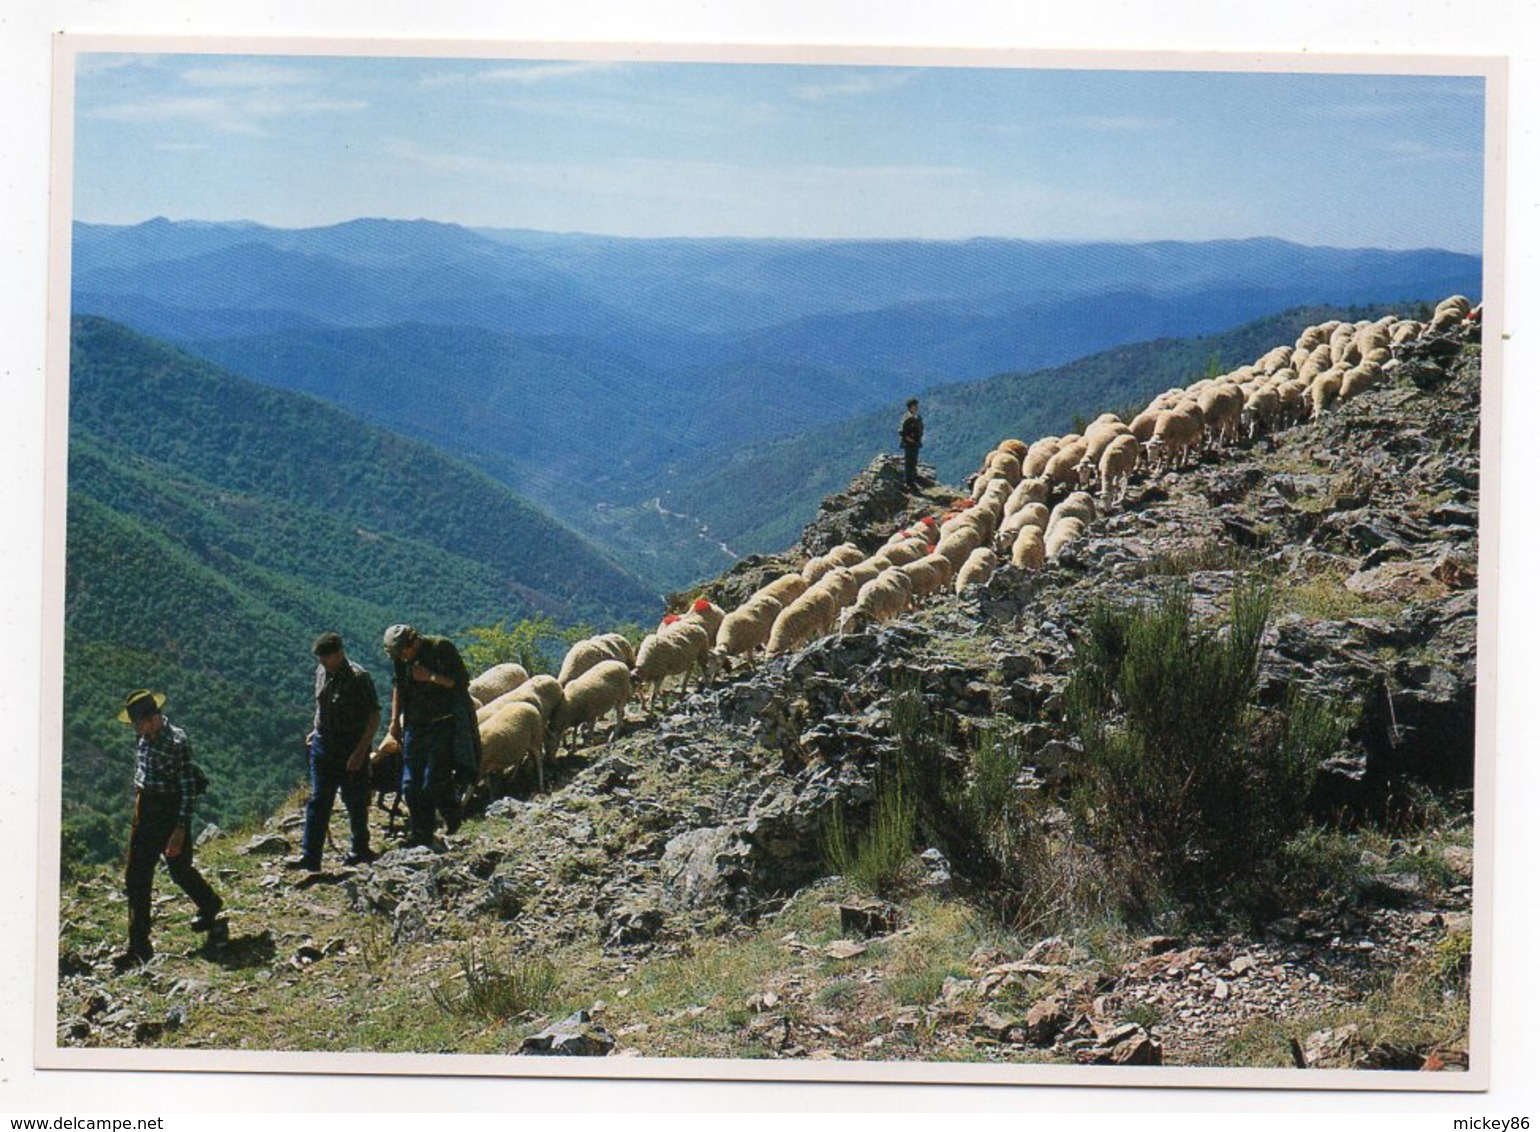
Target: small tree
{"points": [[527, 642], [1190, 788]]}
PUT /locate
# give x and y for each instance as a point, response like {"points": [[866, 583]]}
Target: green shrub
{"points": [[1189, 788], [495, 994], [876, 858]]}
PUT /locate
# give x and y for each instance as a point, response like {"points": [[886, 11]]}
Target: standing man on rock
{"points": [[347, 714], [431, 717], [911, 431], [166, 783]]}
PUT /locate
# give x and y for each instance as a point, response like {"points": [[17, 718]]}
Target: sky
{"points": [[777, 150]]}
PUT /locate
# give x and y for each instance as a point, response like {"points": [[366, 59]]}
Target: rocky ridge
{"points": [[703, 822]]}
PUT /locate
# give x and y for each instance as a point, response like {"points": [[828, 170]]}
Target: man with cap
{"points": [[165, 785], [347, 714], [430, 717]]}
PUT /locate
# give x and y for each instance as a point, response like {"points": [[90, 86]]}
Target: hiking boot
{"points": [[206, 920], [133, 957], [310, 866], [219, 932], [365, 857]]}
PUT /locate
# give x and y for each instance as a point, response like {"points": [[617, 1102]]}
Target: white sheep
{"points": [[496, 680], [1323, 391], [1028, 551], [1119, 460], [929, 574], [881, 599], [1034, 490], [977, 569], [744, 631], [588, 652], [1078, 504], [1260, 414], [604, 688], [545, 692], [808, 617], [1061, 534], [1032, 515], [1173, 438], [512, 735], [1222, 405], [675, 650], [786, 589]]}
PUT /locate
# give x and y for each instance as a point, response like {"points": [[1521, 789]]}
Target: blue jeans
{"points": [[427, 776], [328, 775]]}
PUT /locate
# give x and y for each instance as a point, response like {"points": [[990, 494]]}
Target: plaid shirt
{"points": [[164, 767]]}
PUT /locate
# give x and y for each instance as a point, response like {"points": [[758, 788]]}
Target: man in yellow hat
{"points": [[166, 783]]}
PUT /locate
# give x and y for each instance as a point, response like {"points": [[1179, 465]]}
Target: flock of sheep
{"points": [[1028, 504]]}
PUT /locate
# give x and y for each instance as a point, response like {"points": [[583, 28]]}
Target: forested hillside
{"points": [[599, 376], [216, 526], [754, 497]]}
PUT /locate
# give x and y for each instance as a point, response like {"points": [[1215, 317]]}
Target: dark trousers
{"points": [[427, 776], [328, 775], [154, 819], [911, 465]]}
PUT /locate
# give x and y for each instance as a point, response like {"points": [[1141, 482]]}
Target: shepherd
{"points": [[911, 431]]}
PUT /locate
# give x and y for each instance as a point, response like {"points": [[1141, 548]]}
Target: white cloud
{"points": [[234, 114], [531, 75], [856, 86], [242, 73]]}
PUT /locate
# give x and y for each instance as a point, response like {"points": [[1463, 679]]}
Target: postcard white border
{"points": [[49, 1055]]}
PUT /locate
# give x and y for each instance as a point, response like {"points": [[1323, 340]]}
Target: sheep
{"points": [[512, 735], [590, 651], [743, 631], [900, 553], [1323, 391], [604, 688], [956, 546], [846, 554], [496, 680], [807, 618], [1032, 515], [928, 574], [674, 651], [787, 588], [1143, 426], [1038, 456], [1222, 406], [1292, 397], [1034, 490], [1173, 438], [1318, 362], [541, 690], [706, 614], [842, 584], [1061, 534], [1341, 342], [1027, 551], [1017, 448], [1061, 469], [999, 466], [1274, 360], [1360, 378], [1077, 504], [977, 569], [881, 599], [1119, 459], [545, 692], [1260, 413]]}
